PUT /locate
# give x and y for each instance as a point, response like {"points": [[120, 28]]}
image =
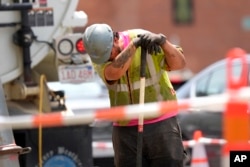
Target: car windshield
{"points": [[210, 81]]}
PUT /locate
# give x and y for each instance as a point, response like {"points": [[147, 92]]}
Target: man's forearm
{"points": [[174, 56], [120, 64]]}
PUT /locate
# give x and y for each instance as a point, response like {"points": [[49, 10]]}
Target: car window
{"points": [[216, 81], [201, 87]]}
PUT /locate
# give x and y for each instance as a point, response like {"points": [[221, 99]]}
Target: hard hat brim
{"points": [[96, 58]]}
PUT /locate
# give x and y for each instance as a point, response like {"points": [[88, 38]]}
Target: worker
{"points": [[116, 58]]}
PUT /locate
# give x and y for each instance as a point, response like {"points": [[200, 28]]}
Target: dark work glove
{"points": [[137, 42], [151, 42], [153, 48], [152, 38]]}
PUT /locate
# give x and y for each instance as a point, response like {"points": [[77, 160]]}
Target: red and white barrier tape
{"points": [[122, 112], [205, 141], [102, 145]]}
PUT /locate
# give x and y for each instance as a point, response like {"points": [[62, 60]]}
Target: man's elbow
{"points": [[176, 63], [182, 63], [112, 75]]}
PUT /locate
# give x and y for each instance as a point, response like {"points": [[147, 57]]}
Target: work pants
{"points": [[162, 145]]}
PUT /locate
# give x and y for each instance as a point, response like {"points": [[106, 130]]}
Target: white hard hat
{"points": [[98, 42]]}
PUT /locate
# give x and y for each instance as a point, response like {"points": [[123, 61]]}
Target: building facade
{"points": [[205, 29]]}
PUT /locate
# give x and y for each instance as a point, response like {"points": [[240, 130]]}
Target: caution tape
{"points": [[102, 145], [205, 141], [149, 110]]}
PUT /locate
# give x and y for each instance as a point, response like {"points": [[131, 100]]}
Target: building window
{"points": [[182, 11]]}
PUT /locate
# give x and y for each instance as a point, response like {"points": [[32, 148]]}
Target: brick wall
{"points": [[217, 24]]}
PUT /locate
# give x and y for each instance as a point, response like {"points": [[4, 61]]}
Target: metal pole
{"points": [[6, 136], [141, 116], [9, 151]]}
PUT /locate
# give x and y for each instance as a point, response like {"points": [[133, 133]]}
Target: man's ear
{"points": [[116, 35], [116, 38], [116, 41]]}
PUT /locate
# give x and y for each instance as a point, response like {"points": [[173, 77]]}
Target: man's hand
{"points": [[137, 42], [150, 42], [152, 38], [153, 48]]}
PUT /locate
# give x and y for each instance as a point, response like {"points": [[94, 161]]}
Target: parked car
{"points": [[210, 81], [179, 77]]}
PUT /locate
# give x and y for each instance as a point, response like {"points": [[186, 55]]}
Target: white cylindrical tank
{"points": [[64, 18]]}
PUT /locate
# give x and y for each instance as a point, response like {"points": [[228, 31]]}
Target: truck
{"points": [[45, 68], [39, 46]]}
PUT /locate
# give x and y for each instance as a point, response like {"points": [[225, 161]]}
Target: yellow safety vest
{"points": [[126, 90]]}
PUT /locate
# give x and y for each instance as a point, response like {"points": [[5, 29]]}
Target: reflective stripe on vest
{"points": [[136, 85], [152, 72]]}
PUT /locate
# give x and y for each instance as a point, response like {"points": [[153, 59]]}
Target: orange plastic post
{"points": [[236, 119], [197, 135]]}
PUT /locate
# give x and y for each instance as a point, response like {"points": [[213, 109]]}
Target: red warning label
{"points": [[43, 3]]}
